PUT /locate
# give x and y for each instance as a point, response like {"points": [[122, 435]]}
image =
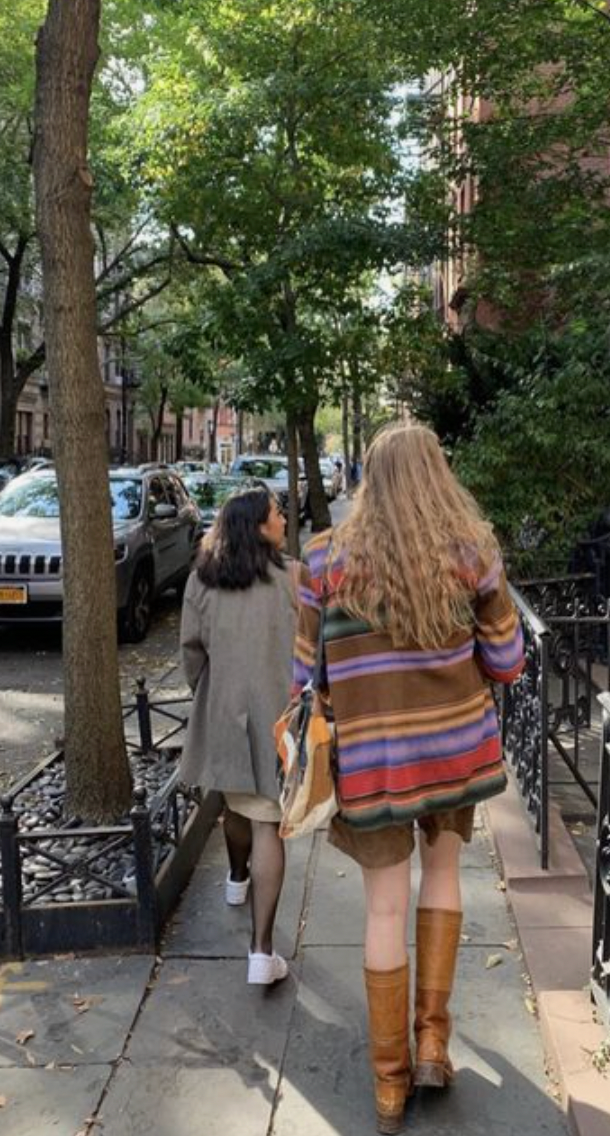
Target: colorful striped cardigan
{"points": [[417, 730]]}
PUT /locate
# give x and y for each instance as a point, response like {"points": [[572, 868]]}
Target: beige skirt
{"points": [[254, 807]]}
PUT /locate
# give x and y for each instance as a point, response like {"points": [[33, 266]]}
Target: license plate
{"points": [[15, 594]]}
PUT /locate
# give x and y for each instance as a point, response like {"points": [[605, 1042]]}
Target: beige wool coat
{"points": [[237, 657]]}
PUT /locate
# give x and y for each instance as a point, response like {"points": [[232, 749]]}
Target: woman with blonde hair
{"points": [[418, 623]]}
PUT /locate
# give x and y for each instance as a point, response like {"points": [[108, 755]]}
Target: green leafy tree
{"points": [[277, 164]]}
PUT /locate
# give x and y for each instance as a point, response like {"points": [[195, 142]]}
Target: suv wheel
{"points": [[135, 619]]}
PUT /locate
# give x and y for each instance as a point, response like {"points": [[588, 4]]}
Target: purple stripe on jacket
{"points": [[446, 744], [384, 661]]}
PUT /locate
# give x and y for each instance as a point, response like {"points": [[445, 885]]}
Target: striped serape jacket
{"points": [[417, 730]]}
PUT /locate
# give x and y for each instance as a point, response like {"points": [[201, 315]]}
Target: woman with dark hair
{"points": [[238, 623]]}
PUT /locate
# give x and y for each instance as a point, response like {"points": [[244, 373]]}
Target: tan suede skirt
{"points": [[384, 847]]}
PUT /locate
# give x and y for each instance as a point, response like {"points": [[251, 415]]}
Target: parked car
{"points": [[272, 469], [209, 491], [156, 528]]}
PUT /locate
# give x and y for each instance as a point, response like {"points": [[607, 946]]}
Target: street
{"points": [[31, 679], [31, 683]]}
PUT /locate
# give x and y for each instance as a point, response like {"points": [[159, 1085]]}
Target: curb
{"points": [[553, 912]]}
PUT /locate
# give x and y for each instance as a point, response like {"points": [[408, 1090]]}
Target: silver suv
{"points": [[156, 528], [272, 469]]}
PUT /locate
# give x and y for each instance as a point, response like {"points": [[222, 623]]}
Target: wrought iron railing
{"points": [[48, 860], [600, 971], [567, 630], [525, 722]]}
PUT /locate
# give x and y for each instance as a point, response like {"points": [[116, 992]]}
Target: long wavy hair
{"points": [[414, 543], [235, 553]]}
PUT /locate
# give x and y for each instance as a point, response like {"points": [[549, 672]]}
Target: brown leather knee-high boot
{"points": [[438, 939], [388, 1001]]}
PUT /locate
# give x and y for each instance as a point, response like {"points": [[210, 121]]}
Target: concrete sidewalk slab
{"points": [[79, 1010], [204, 926], [553, 913], [49, 1102], [500, 1085], [206, 1056]]}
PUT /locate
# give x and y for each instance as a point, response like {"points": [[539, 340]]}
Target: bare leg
{"points": [[386, 893], [238, 838], [267, 872], [440, 880]]}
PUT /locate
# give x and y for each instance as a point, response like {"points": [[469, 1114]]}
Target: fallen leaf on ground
{"points": [[511, 944], [501, 886], [3, 1102], [493, 960], [466, 938], [82, 1005], [24, 1036], [341, 875], [76, 1049], [530, 1005], [51, 1065]]}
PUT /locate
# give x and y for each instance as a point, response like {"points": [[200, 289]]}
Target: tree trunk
{"points": [[214, 430], [8, 397], [179, 441], [158, 428], [97, 770], [356, 422], [9, 384], [292, 451], [347, 466], [318, 505]]}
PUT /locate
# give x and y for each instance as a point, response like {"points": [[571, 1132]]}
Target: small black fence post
{"points": [[145, 872], [600, 971], [11, 877], [143, 707]]}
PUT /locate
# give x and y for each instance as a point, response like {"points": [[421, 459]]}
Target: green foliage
{"points": [[269, 138]]}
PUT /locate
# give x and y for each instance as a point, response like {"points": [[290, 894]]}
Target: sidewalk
{"points": [[181, 1046]]}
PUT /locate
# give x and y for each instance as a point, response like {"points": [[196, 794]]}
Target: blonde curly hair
{"points": [[414, 544]]}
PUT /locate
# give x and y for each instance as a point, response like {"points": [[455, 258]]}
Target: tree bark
{"points": [[347, 466], [214, 430], [356, 421], [97, 770], [179, 432], [9, 384], [318, 505], [292, 451], [158, 424]]}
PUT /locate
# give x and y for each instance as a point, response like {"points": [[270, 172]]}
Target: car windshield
{"points": [[125, 498], [264, 467], [37, 496], [211, 494], [34, 496]]}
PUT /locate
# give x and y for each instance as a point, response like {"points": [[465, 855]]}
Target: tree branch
{"points": [[210, 260], [133, 306]]}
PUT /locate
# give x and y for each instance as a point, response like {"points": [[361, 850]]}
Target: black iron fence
{"points": [[65, 885], [567, 633], [600, 972], [525, 722]]}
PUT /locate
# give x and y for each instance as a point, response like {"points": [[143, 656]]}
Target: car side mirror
{"points": [[164, 511]]}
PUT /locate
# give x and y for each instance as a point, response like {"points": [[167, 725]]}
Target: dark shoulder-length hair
{"points": [[235, 553]]}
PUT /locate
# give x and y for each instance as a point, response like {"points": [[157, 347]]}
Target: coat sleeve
{"points": [[194, 654], [306, 639], [498, 633]]}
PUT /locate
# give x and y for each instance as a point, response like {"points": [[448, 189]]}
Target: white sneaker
{"points": [[236, 891], [265, 969]]}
